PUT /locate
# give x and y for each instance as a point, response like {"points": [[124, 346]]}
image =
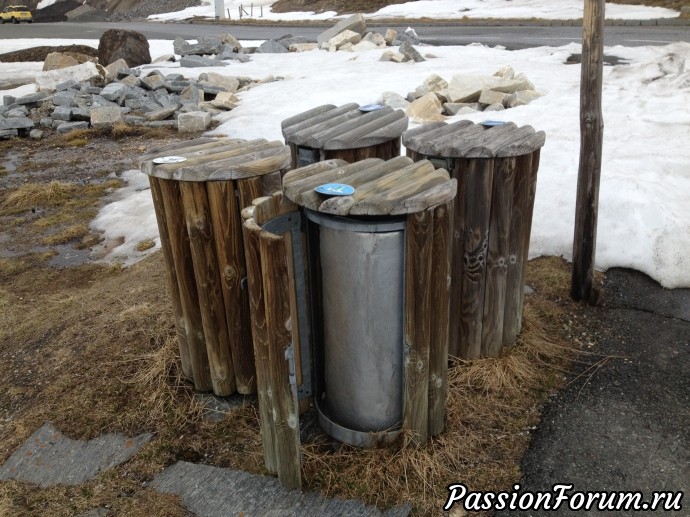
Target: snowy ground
{"points": [[644, 218], [445, 9]]}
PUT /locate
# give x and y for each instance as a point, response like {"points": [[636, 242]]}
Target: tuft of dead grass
{"points": [[76, 138], [66, 235], [121, 130], [31, 195], [144, 245]]}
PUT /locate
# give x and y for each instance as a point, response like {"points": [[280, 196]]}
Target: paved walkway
{"points": [[623, 421]]}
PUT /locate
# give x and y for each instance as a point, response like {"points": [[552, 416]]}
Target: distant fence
{"points": [[250, 13]]}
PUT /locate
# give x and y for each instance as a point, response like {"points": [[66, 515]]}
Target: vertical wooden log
{"points": [[285, 411], [591, 141], [294, 155], [294, 315], [189, 298], [479, 181], [173, 285], [457, 243], [457, 257], [252, 253], [227, 235], [516, 245], [527, 231], [249, 189], [497, 259], [208, 281], [440, 312], [417, 324]]}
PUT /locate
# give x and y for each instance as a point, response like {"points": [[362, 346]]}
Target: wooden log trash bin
{"points": [[496, 169], [336, 342], [347, 132], [198, 189]]}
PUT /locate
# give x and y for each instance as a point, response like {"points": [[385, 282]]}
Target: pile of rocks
{"points": [[210, 51], [91, 96], [351, 34], [436, 98]]}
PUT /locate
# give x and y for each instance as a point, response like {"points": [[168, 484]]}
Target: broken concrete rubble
{"points": [[465, 94], [147, 98]]}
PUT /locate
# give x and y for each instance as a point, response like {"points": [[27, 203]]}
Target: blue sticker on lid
{"points": [[492, 123], [335, 189], [371, 107]]}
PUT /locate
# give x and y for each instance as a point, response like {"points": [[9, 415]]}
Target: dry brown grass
{"points": [[66, 235], [76, 138], [144, 245], [104, 337], [32, 195], [492, 405], [122, 130]]}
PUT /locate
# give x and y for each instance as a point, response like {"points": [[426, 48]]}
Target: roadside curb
{"points": [[486, 22]]}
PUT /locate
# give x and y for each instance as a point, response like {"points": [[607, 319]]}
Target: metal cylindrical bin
{"points": [[495, 164], [350, 132], [359, 322], [199, 188], [362, 293]]}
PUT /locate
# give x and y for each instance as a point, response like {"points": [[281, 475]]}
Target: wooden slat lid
{"points": [[332, 127], [465, 139], [217, 159], [393, 187]]}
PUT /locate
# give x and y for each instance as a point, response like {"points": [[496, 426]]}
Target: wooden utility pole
{"points": [[591, 136]]}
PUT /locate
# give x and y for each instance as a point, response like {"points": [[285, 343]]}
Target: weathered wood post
{"points": [[591, 141], [198, 188], [347, 132], [496, 169]]}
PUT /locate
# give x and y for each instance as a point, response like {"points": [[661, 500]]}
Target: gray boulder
{"points": [[62, 113], [410, 53], [21, 111], [289, 39], [205, 45], [81, 114], [409, 36], [271, 47], [199, 61], [66, 127], [354, 23], [131, 46], [194, 121], [16, 123], [105, 116], [65, 98], [153, 81]]}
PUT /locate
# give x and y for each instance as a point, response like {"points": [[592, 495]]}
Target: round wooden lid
{"points": [[345, 127], [394, 187], [215, 159], [465, 139]]}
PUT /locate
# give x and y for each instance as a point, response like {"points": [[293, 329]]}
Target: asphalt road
{"points": [[511, 37]]}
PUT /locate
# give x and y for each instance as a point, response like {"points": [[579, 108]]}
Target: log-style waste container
{"points": [[198, 189], [496, 167], [378, 267], [350, 132]]}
